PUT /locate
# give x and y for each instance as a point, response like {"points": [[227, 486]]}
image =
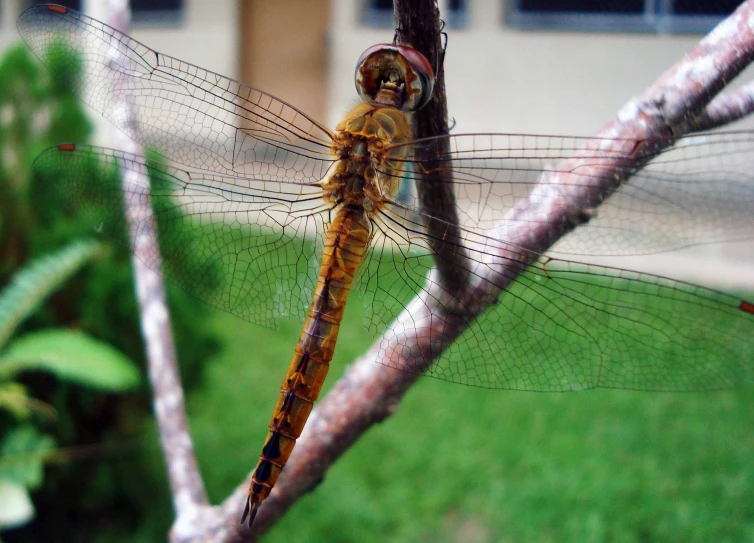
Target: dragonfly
{"points": [[273, 197]]}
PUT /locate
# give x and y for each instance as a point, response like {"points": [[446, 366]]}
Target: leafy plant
{"points": [[69, 355], [38, 112]]}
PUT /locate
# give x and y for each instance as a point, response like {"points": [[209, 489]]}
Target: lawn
{"points": [[463, 464]]}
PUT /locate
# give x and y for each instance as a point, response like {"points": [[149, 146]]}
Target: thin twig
{"points": [[187, 488], [418, 24], [727, 107]]}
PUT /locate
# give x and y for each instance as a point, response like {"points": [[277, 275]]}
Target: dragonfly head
{"points": [[394, 75]]}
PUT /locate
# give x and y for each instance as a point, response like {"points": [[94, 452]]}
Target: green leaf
{"points": [[38, 280], [22, 455], [15, 399], [16, 508], [71, 356]]}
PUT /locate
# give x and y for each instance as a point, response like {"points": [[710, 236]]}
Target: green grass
{"points": [[462, 464]]}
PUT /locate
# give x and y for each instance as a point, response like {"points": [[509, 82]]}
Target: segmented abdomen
{"points": [[345, 244]]}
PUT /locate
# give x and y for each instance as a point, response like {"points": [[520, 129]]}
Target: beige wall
{"points": [[208, 36]]}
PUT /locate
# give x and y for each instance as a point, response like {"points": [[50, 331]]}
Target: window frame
{"points": [[657, 17]]}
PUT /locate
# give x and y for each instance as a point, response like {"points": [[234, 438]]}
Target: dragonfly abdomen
{"points": [[345, 244]]}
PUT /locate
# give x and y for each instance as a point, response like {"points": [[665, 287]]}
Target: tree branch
{"points": [[418, 24], [187, 488], [677, 104], [727, 107]]}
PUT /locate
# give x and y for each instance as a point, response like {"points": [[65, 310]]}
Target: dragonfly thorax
{"points": [[368, 143]]}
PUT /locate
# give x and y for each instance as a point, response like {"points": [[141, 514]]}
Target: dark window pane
{"points": [[381, 4], [701, 7], [156, 5], [72, 4], [581, 6]]}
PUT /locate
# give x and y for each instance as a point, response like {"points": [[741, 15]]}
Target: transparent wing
{"points": [[566, 325], [560, 325], [246, 246], [197, 118], [699, 191]]}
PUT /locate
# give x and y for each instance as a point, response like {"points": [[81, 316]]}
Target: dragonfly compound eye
{"points": [[394, 75]]}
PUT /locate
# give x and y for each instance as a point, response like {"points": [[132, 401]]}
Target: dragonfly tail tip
{"points": [[250, 512]]}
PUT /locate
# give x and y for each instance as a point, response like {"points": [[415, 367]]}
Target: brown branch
{"points": [[369, 392], [187, 488], [418, 24]]}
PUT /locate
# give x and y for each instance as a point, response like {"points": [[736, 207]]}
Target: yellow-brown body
{"points": [[356, 189]]}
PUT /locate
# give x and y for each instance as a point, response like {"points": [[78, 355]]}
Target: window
{"points": [[167, 12], [72, 4], [380, 13], [693, 16]]}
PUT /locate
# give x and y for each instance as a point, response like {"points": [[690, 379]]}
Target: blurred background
{"points": [[530, 66], [455, 464]]}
